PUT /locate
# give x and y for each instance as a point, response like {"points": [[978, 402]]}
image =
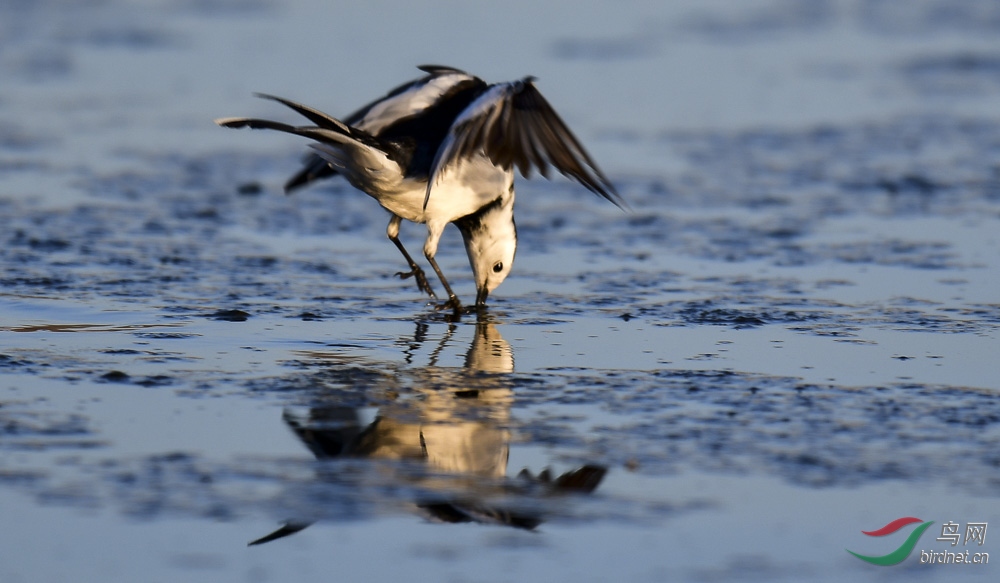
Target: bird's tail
{"points": [[362, 158]]}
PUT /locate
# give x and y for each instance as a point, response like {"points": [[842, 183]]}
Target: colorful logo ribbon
{"points": [[899, 555]]}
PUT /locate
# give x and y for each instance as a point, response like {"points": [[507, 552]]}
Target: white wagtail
{"points": [[442, 149]]}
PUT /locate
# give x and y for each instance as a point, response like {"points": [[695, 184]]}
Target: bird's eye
{"points": [[498, 267]]}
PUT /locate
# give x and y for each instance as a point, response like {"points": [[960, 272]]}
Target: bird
{"points": [[441, 149]]}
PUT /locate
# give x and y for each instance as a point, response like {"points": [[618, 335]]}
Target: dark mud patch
{"points": [[116, 376], [924, 16], [27, 426], [231, 315], [702, 314], [953, 74], [13, 363]]}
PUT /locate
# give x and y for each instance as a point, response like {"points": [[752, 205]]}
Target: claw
{"points": [[422, 282], [453, 305]]}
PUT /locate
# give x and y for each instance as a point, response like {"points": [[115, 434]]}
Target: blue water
{"points": [[790, 338]]}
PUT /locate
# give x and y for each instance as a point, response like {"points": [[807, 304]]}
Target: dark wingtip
{"points": [[254, 124], [524, 82], [617, 199], [439, 69], [601, 186], [584, 480], [231, 122], [300, 179], [286, 530]]}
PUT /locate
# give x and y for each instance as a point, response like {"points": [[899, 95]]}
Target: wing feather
{"points": [[337, 134], [314, 115], [254, 124], [404, 101], [516, 127], [408, 99]]}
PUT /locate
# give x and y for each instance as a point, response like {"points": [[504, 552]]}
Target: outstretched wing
{"points": [[314, 166], [337, 133], [316, 116], [402, 102], [515, 126], [338, 143]]}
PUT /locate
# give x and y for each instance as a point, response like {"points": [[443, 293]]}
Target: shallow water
{"points": [[790, 338]]}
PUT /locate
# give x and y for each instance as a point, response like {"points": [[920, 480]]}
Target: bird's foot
{"points": [[452, 305], [422, 282]]}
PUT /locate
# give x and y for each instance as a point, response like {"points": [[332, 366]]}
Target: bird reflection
{"points": [[455, 424]]}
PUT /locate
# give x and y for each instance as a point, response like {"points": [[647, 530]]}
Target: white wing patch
{"points": [[417, 98], [487, 106], [513, 125]]}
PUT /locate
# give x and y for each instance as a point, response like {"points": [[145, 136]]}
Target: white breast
{"points": [[463, 189]]}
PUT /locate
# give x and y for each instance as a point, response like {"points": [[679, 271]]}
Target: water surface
{"points": [[790, 339]]}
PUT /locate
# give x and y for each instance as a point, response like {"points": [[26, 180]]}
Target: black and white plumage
{"points": [[442, 149]]}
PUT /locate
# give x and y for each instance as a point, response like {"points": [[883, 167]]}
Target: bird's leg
{"points": [[393, 232], [434, 231], [452, 303], [415, 272]]}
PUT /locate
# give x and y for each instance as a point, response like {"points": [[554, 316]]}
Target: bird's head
{"points": [[490, 241]]}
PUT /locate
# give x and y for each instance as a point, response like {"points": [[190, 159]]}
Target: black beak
{"points": [[481, 297]]}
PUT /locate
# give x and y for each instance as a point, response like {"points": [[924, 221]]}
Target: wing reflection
{"points": [[454, 424]]}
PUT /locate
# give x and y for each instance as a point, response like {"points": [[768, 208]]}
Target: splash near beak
{"points": [[481, 297]]}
